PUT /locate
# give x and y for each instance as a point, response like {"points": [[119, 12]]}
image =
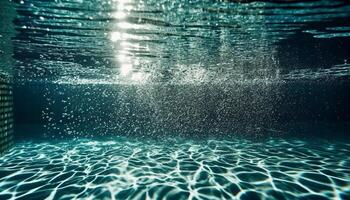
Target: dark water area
{"points": [[159, 99], [159, 110]]}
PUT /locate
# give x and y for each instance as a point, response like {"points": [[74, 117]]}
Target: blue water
{"points": [[160, 99], [127, 168], [179, 42]]}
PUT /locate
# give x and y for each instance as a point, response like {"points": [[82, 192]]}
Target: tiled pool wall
{"points": [[6, 114], [7, 32]]}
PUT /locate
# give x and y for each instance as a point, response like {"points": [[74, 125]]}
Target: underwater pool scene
{"points": [[175, 99]]}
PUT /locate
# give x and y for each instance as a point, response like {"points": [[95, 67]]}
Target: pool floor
{"points": [[125, 168]]}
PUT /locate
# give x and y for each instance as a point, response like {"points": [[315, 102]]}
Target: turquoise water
{"points": [[179, 168], [181, 99], [179, 42]]}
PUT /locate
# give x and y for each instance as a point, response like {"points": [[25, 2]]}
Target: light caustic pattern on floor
{"points": [[123, 168]]}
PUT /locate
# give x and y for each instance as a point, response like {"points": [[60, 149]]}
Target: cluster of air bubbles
{"points": [[155, 67], [157, 110]]}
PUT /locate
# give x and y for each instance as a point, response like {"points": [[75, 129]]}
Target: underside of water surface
{"points": [[175, 100]]}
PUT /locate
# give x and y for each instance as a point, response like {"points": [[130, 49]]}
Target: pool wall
{"points": [[6, 114], [7, 32]]}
